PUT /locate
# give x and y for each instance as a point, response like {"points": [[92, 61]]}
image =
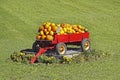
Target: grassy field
{"points": [[20, 19]]}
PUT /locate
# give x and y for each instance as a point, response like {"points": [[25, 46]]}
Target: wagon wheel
{"points": [[61, 48], [35, 47], [85, 45]]}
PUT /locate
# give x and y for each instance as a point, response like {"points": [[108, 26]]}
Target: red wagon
{"points": [[59, 44]]}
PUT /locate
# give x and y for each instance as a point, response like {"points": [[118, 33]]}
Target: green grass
{"points": [[20, 19]]}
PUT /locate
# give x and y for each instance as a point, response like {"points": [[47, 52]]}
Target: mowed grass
{"points": [[20, 19]]}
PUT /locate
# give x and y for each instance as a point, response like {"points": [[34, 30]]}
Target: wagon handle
{"points": [[41, 51]]}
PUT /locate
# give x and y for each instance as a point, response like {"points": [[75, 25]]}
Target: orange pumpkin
{"points": [[62, 25], [41, 28], [49, 28], [52, 24], [43, 37], [46, 32], [54, 28], [51, 33], [38, 37], [49, 37], [41, 33], [46, 26]]}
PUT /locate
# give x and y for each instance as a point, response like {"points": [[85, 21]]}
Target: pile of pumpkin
{"points": [[48, 30]]}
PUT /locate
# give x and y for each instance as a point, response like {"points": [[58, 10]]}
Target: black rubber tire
{"points": [[35, 47], [58, 46], [84, 47]]}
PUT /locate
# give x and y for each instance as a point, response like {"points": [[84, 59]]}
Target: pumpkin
{"points": [[49, 37], [46, 26], [54, 28], [41, 27], [43, 37], [51, 33], [49, 28], [52, 24], [41, 33], [38, 37], [46, 32]]}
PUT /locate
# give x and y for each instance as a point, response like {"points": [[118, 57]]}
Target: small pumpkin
{"points": [[38, 37], [43, 37], [54, 28], [41, 33], [49, 37], [51, 33]]}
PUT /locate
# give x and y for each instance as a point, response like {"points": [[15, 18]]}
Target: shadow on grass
{"points": [[28, 51], [51, 51]]}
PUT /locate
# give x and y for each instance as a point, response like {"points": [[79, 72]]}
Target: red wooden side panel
{"points": [[70, 37], [78, 37], [86, 35], [75, 37], [61, 38]]}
